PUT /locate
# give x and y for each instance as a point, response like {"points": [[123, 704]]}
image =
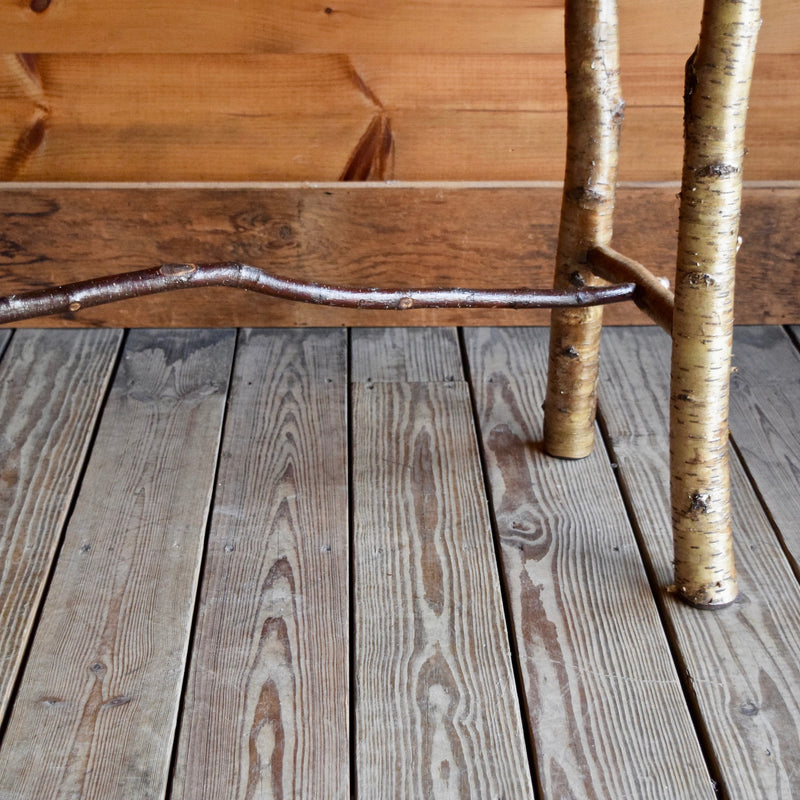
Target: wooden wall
{"points": [[357, 90]]}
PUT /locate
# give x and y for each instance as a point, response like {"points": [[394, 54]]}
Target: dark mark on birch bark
{"points": [[699, 502], [717, 170], [571, 352], [700, 279], [586, 196]]}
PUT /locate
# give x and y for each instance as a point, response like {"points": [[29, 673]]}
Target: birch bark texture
{"points": [[718, 77], [594, 116]]}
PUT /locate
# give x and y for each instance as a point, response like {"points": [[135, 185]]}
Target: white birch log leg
{"points": [[717, 89], [595, 112]]}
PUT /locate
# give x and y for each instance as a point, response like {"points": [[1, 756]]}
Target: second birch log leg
{"points": [[595, 112], [717, 88]]}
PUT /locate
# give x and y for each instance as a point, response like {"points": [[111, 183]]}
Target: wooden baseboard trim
{"points": [[448, 234]]}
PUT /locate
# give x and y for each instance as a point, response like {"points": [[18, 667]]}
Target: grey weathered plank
{"points": [[405, 354], [606, 710], [95, 713], [51, 389], [742, 663], [765, 421], [436, 708], [266, 711]]}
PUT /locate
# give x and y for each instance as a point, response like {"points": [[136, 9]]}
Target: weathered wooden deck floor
{"points": [[313, 563]]}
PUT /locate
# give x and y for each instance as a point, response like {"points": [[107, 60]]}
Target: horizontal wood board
{"points": [[481, 235], [347, 115], [212, 26], [741, 665]]}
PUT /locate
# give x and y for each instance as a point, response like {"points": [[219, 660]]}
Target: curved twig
{"points": [[169, 277]]}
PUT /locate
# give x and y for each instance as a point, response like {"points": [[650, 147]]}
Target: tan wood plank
{"points": [[356, 26], [266, 711], [765, 423], [436, 704], [410, 355], [213, 26], [52, 386], [742, 663], [605, 706], [95, 713], [363, 235], [303, 117]]}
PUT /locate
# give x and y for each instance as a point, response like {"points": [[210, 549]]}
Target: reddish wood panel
{"points": [[215, 26], [329, 117], [346, 26], [365, 235]]}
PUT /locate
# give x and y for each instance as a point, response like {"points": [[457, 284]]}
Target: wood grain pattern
{"points": [[742, 664], [51, 389], [765, 422], [364, 235], [285, 117], [267, 710], [436, 705], [427, 355], [210, 26], [356, 26], [95, 713], [604, 702]]}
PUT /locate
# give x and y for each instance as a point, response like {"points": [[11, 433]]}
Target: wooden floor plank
{"points": [[51, 389], [436, 706], [95, 713], [743, 662], [765, 421], [606, 711], [267, 710], [405, 354]]}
